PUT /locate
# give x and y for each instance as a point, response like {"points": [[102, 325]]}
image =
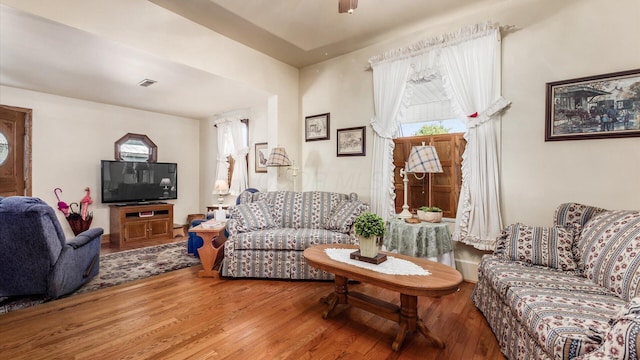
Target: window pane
{"points": [[448, 126]]}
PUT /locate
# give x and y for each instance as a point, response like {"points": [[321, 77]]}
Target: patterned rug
{"points": [[119, 268]]}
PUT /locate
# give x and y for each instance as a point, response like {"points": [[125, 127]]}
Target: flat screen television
{"points": [[138, 182]]}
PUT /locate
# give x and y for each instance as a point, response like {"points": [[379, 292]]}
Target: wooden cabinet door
{"points": [[135, 231], [12, 150], [160, 228]]}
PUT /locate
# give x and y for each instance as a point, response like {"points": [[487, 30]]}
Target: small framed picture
{"points": [[593, 107], [316, 127], [351, 141], [262, 154]]}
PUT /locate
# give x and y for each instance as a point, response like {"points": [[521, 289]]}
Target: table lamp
{"points": [[165, 183], [422, 159], [220, 187], [278, 158]]}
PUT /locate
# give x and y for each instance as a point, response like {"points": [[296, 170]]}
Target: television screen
{"points": [[136, 182]]}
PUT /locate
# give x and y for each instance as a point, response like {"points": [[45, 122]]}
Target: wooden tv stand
{"points": [[140, 225]]}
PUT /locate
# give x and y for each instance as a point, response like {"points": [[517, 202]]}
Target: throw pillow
{"points": [[608, 252], [344, 215], [574, 214], [535, 245], [253, 216]]}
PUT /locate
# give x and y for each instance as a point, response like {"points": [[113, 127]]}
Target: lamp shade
{"points": [[220, 187], [165, 182], [423, 159], [278, 157]]}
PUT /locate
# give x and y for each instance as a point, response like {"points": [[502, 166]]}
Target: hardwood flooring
{"points": [[107, 248], [180, 316]]}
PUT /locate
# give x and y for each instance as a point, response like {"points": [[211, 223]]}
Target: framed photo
{"points": [[351, 141], [594, 107], [316, 127], [262, 154]]}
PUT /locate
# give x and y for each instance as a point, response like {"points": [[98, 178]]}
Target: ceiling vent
{"points": [[146, 82]]}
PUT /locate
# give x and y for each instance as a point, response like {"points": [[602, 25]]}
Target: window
{"points": [[447, 137], [448, 126], [227, 146]]}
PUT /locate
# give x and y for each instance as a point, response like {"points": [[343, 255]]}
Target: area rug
{"points": [[119, 268]]}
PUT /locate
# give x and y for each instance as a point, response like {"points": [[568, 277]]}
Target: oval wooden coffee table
{"points": [[442, 281]]}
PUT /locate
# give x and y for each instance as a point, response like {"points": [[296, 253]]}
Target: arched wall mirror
{"points": [[136, 147]]}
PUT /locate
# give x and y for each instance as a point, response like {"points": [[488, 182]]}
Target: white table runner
{"points": [[393, 266]]}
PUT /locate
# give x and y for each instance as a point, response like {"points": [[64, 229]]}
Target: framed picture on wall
{"points": [[316, 127], [594, 107], [351, 141], [262, 154]]}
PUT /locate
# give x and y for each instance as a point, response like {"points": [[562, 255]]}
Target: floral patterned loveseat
{"points": [[269, 231], [571, 291]]}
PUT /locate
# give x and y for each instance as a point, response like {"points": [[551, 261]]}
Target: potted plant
{"points": [[431, 214], [370, 229]]}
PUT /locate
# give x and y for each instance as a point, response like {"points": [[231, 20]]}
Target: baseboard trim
{"points": [[468, 269]]}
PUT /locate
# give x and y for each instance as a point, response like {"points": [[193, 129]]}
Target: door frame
{"points": [[27, 145]]}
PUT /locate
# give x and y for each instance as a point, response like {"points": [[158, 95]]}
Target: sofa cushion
{"points": [[504, 274], [291, 209], [566, 324], [609, 252], [253, 216], [316, 207], [286, 239], [623, 340], [344, 215], [535, 245], [297, 210]]}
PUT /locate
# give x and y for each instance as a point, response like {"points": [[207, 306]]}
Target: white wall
{"points": [[553, 40], [258, 128], [71, 136], [343, 88], [538, 175]]}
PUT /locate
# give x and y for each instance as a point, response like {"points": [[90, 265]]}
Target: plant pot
{"points": [[368, 246], [429, 216]]}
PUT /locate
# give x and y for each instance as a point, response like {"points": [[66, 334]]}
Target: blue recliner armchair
{"points": [[35, 257]]}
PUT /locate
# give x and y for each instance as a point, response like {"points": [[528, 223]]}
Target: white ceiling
{"points": [[304, 32], [42, 55]]}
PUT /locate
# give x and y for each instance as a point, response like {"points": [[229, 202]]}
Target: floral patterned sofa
{"points": [[268, 232], [571, 291]]}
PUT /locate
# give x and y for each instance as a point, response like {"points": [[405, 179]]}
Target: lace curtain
{"points": [[467, 61], [232, 135], [389, 85]]}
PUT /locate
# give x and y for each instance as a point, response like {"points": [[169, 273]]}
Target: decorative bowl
{"points": [[429, 216]]}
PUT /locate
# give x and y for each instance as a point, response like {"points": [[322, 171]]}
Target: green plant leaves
{"points": [[369, 224]]}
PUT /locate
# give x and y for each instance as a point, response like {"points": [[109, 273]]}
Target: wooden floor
{"points": [[107, 248], [180, 316]]}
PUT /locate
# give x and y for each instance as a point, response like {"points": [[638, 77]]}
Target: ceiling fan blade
{"points": [[347, 5]]}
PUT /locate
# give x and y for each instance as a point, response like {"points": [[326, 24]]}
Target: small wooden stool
{"points": [[178, 230], [192, 217]]}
